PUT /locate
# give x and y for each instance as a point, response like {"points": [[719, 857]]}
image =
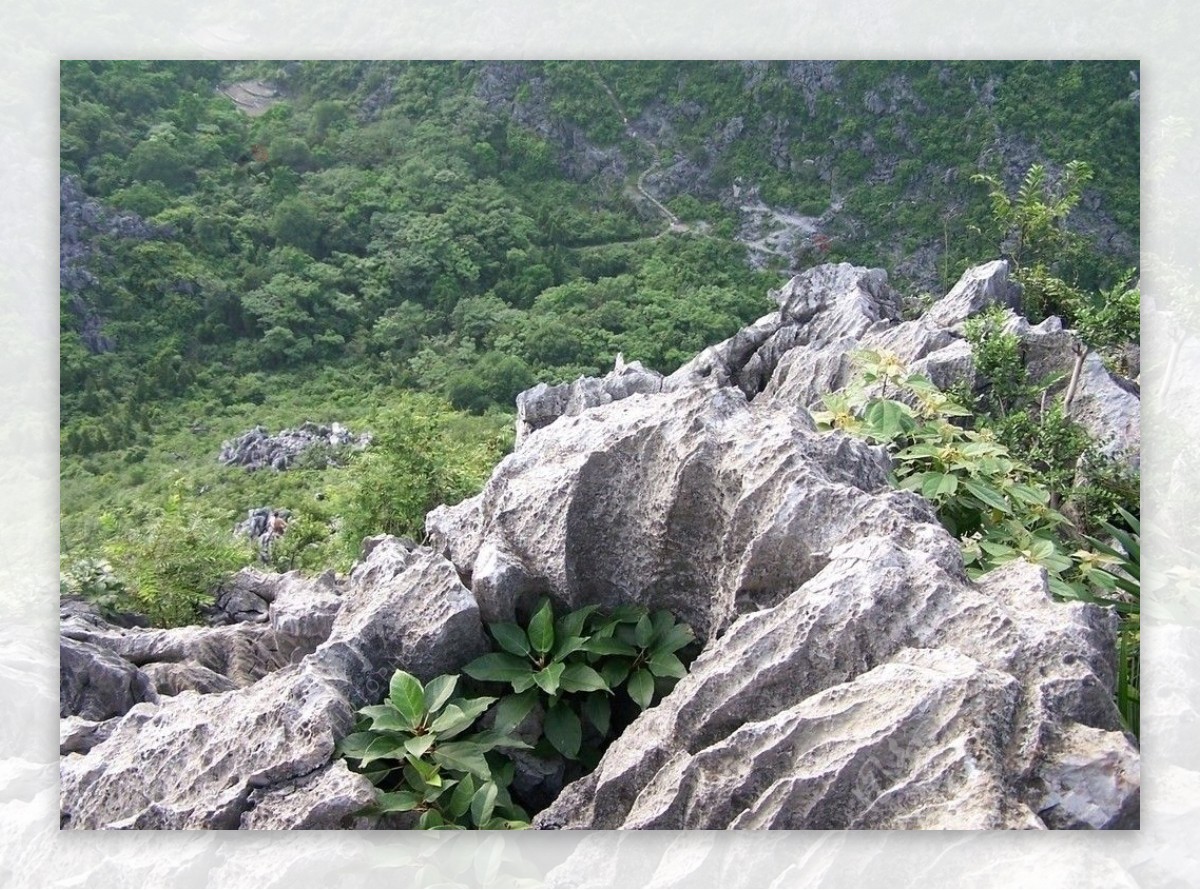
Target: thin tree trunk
{"points": [[1080, 354]]}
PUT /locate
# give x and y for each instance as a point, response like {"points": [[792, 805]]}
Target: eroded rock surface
{"points": [[257, 449], [851, 676], [210, 760]]}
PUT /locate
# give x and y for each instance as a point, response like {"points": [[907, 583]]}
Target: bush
{"points": [[413, 747], [176, 561], [415, 463]]}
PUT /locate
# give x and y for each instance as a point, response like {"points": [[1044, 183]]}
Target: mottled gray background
{"points": [[35, 34]]}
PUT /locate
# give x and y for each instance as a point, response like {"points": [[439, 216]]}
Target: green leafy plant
{"points": [[994, 502], [175, 562], [442, 757], [575, 664], [1112, 570], [94, 580], [415, 748]]}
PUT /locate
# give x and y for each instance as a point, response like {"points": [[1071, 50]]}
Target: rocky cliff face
{"points": [[851, 675]]}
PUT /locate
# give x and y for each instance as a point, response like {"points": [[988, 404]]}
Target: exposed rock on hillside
{"points": [[260, 756], [258, 449], [851, 675]]}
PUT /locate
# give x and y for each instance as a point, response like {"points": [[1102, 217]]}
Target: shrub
{"points": [[413, 748], [176, 560]]}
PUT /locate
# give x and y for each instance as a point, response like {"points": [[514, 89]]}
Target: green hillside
{"points": [[405, 246]]}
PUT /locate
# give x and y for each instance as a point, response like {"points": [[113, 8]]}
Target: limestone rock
{"points": [[77, 735], [978, 288], [817, 307], [327, 798], [257, 449], [690, 501], [215, 760], [544, 404], [1110, 410], [95, 684], [887, 693]]}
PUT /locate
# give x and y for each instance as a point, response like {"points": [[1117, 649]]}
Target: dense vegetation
{"points": [[405, 246]]}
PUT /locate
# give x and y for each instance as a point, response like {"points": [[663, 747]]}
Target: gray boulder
{"points": [[260, 756], [865, 711], [96, 684], [690, 501], [823, 305], [544, 404], [978, 288], [257, 449]]}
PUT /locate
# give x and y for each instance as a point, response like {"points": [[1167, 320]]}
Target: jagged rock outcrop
{"points": [[260, 756], [258, 449], [544, 404], [851, 676]]}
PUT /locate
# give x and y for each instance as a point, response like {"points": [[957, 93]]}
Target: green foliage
{"points": [[574, 666], [95, 581], [1112, 319], [1112, 569], [995, 503], [416, 462], [416, 749], [997, 357], [413, 746], [175, 561]]}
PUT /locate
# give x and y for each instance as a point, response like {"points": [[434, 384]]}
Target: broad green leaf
{"points": [[931, 483], [663, 621], [608, 646], [566, 645], [627, 614], [382, 748], [888, 419], [581, 678], [947, 486], [430, 819], [641, 688], [460, 800], [499, 666], [563, 730], [438, 692], [511, 638], [541, 629], [419, 744], [664, 664], [513, 709], [483, 803], [397, 801], [489, 739], [1029, 495], [522, 684], [643, 632], [459, 715], [462, 756], [571, 624], [548, 677], [598, 711], [429, 772], [407, 696], [676, 637], [614, 671], [987, 494], [390, 720], [355, 745]]}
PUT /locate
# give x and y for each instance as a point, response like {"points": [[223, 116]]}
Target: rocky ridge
{"points": [[257, 449], [851, 675]]}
